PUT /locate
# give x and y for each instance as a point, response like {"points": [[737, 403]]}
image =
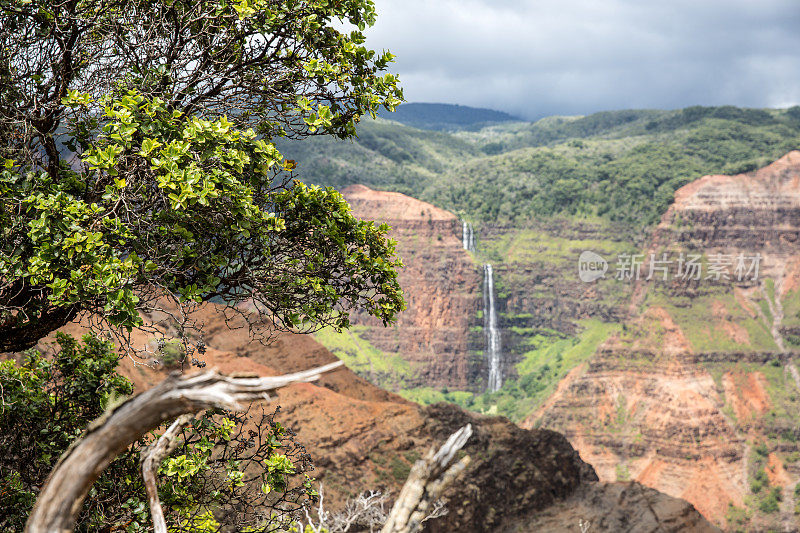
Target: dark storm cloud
{"points": [[536, 58]]}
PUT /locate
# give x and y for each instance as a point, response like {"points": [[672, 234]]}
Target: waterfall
{"points": [[493, 350], [467, 236], [471, 247]]}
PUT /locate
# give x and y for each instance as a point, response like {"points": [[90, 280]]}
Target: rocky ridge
{"points": [[364, 438]]}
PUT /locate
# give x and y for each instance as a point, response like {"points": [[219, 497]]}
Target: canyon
{"points": [[697, 397], [648, 399], [689, 386]]}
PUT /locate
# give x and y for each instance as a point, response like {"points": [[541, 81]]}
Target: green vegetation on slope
{"points": [[549, 360], [360, 356], [714, 321], [623, 165], [534, 245], [776, 431], [791, 312]]}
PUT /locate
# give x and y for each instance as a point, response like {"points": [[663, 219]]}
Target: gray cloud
{"points": [[542, 57]]}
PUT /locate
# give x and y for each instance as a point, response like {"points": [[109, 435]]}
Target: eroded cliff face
{"points": [[698, 395], [658, 421], [439, 341], [541, 300], [441, 286]]}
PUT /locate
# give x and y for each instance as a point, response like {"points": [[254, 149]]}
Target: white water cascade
{"points": [[493, 350], [467, 236]]}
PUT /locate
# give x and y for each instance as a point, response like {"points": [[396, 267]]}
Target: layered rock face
{"points": [[441, 334], [697, 396], [442, 289], [538, 265], [364, 438], [747, 213], [658, 422]]}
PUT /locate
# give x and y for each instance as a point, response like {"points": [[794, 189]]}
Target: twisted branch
{"points": [[61, 498], [151, 458]]}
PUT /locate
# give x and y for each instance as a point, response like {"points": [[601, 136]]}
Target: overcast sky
{"points": [[534, 58]]}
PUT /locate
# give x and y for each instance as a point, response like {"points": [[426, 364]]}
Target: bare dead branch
{"points": [[61, 498], [151, 458], [428, 479], [364, 512]]}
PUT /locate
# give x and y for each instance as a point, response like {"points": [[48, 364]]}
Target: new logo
{"points": [[591, 266]]}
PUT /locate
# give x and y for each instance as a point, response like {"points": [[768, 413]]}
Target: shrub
{"points": [[172, 353], [761, 449], [771, 503]]}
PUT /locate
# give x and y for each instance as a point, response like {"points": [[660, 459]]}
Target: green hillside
{"points": [[619, 165]]}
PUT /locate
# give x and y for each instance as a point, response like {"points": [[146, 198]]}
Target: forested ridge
{"points": [[618, 165]]}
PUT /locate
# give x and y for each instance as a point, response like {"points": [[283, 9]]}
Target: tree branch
{"points": [[151, 458], [59, 503], [428, 479]]}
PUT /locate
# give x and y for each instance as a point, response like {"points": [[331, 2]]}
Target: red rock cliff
{"points": [[364, 438], [705, 370], [441, 285]]}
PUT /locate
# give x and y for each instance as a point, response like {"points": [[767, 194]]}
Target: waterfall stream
{"points": [[493, 350], [467, 236]]}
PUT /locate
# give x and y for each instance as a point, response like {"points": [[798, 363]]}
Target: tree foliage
{"points": [[229, 470], [45, 404], [138, 162]]}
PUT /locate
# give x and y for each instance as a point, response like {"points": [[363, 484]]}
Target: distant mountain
{"points": [[447, 117]]}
